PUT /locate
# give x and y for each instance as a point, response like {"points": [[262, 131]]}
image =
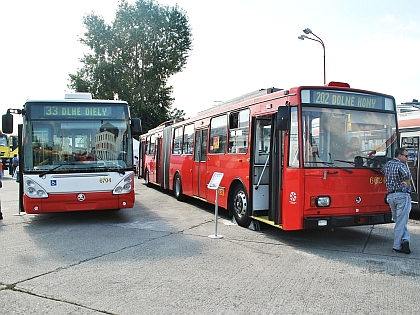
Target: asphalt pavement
{"points": [[158, 258]]}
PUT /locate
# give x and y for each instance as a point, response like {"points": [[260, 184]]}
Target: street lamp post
{"points": [[319, 40]]}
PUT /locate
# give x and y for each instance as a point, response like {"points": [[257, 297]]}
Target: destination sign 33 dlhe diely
{"points": [[77, 111]]}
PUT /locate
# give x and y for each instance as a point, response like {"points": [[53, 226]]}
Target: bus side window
{"points": [[152, 145], [188, 139], [238, 131], [177, 141], [218, 134], [294, 139], [262, 140], [146, 146]]}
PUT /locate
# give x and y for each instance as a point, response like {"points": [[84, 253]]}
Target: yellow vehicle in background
{"points": [[8, 148]]}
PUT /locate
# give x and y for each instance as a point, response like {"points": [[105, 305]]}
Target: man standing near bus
{"points": [[15, 163], [398, 185], [1, 214]]}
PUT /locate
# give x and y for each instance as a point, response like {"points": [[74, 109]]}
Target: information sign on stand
{"points": [[215, 185], [215, 180]]}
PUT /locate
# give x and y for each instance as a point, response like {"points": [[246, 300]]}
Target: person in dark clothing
{"points": [[398, 184], [15, 163], [1, 214]]}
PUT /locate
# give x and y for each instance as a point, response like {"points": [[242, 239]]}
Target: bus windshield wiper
{"points": [[324, 163], [54, 168], [107, 168], [352, 163], [343, 168]]}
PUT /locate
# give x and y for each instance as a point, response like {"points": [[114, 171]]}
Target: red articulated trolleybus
{"points": [[75, 154], [282, 153]]}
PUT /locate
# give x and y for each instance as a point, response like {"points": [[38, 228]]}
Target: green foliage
{"points": [[133, 58]]}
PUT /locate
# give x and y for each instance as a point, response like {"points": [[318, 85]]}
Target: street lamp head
{"points": [[317, 39]]}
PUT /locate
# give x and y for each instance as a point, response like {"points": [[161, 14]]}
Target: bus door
{"points": [[412, 145], [158, 147], [199, 173], [140, 163], [266, 169]]}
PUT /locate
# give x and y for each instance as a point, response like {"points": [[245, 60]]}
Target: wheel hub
{"points": [[240, 204]]}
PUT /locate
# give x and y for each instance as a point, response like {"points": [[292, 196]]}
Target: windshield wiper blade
{"points": [[320, 162], [352, 163], [54, 168], [343, 168], [348, 162], [122, 172], [108, 169]]}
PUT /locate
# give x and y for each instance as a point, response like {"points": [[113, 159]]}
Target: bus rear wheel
{"points": [[239, 206], [178, 188]]}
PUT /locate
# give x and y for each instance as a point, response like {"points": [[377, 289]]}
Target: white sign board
{"points": [[215, 180]]}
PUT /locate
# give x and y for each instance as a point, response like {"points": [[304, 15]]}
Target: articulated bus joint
{"points": [[332, 222]]}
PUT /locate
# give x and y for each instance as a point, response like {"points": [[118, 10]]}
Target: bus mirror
{"points": [[283, 118], [7, 123], [136, 126]]}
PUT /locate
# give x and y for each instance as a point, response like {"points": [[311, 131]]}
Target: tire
{"points": [[178, 188], [239, 206]]}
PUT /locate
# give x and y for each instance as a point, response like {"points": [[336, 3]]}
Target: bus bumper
{"points": [[76, 202], [342, 221]]}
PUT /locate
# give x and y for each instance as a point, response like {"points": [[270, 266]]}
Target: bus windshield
{"points": [[347, 137], [91, 145]]}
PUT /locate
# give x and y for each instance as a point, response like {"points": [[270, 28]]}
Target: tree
{"points": [[132, 58]]}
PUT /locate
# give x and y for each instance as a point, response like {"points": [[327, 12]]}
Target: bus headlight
{"points": [[124, 186], [320, 201], [33, 190]]}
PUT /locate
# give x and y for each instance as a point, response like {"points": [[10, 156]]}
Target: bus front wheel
{"points": [[178, 188], [239, 206]]}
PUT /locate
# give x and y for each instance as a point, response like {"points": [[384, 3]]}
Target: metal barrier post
{"points": [[216, 214]]}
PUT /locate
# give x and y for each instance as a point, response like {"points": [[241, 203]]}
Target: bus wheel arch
{"points": [[178, 187], [239, 203]]}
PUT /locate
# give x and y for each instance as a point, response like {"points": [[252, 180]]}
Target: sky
{"points": [[239, 46]]}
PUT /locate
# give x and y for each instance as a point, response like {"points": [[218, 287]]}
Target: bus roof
{"points": [[75, 100], [241, 98]]}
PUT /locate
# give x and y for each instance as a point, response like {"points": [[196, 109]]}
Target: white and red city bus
{"points": [[409, 130], [76, 155], [282, 155]]}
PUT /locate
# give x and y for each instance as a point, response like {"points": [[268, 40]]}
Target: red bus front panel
{"points": [[78, 192], [362, 203], [78, 202]]}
